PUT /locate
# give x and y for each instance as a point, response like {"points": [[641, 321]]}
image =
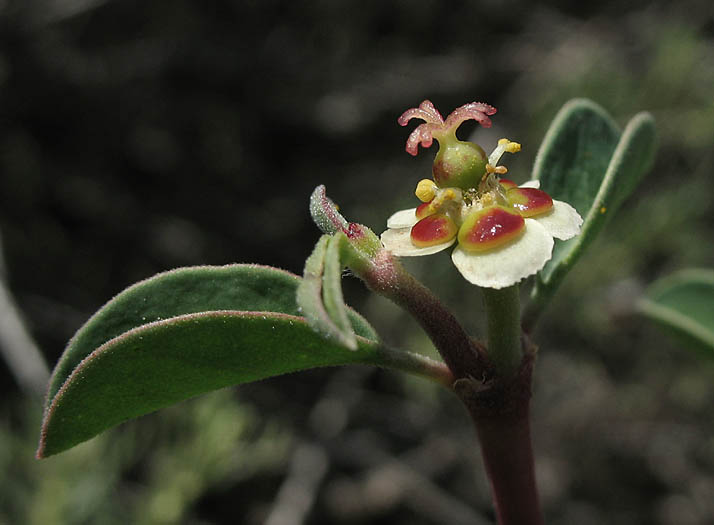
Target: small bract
{"points": [[504, 231]]}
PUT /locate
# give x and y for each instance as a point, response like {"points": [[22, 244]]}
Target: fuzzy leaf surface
{"points": [[319, 294], [161, 363], [237, 287], [585, 161]]}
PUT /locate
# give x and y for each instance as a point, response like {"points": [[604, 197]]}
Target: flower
{"points": [[504, 231]]}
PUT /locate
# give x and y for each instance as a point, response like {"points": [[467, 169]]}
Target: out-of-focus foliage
{"points": [[140, 136], [684, 304], [150, 472]]}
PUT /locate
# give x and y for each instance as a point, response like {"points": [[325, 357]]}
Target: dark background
{"points": [[137, 137]]}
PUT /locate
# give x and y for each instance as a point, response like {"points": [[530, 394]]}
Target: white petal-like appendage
{"points": [[507, 265], [403, 219], [531, 184], [399, 242], [562, 222]]}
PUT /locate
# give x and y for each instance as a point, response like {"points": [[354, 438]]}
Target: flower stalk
{"points": [[504, 329], [493, 383], [464, 356]]}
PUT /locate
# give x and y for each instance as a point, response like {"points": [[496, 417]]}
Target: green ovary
{"points": [[459, 164]]}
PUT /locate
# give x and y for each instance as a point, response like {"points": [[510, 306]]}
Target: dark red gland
{"points": [[433, 230], [529, 201], [424, 210], [490, 228]]}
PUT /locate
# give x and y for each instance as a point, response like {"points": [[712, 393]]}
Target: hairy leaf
{"points": [[160, 363], [586, 162], [332, 289], [319, 295], [242, 287]]}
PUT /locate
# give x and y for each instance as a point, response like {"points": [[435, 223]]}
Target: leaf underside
{"points": [[319, 294], [179, 334], [683, 304]]}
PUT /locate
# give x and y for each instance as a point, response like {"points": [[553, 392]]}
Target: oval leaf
{"points": [[167, 361], [684, 304], [244, 287], [585, 162]]}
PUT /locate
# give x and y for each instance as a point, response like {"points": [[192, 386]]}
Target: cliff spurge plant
{"points": [[193, 330]]}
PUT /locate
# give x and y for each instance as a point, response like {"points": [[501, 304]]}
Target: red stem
{"points": [[498, 404], [464, 356], [500, 411], [507, 453]]}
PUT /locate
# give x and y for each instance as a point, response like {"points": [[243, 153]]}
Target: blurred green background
{"points": [[136, 137]]}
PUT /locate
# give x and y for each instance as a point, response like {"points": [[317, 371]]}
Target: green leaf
{"points": [[684, 304], [319, 295], [242, 287], [332, 289], [586, 162], [160, 363]]}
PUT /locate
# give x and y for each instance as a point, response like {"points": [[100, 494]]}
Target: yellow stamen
{"points": [[511, 147], [425, 190], [504, 145], [496, 169]]}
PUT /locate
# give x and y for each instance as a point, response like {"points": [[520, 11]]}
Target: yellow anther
{"points": [[510, 147], [449, 194], [496, 169], [513, 147], [504, 145], [487, 199], [425, 190]]}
